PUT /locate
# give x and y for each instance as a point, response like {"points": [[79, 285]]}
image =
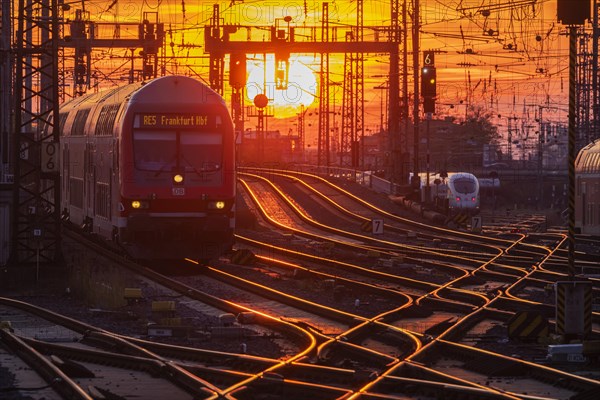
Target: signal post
{"points": [[429, 92]]}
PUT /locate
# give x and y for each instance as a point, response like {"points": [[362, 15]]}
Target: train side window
{"points": [[78, 128], [106, 120], [62, 119]]}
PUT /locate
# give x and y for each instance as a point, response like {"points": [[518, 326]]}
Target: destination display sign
{"points": [[160, 120]]}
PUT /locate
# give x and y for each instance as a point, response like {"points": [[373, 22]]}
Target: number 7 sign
{"points": [[377, 226]]}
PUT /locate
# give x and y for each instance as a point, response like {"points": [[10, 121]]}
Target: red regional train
{"points": [[587, 189], [151, 167]]}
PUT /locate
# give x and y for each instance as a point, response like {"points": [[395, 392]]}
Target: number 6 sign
{"points": [[49, 157]]}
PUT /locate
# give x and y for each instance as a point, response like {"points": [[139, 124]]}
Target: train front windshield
{"points": [[184, 151], [464, 185]]}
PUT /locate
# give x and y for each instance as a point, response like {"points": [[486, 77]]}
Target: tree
{"points": [[459, 145]]}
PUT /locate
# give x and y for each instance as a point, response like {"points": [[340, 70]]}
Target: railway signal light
{"points": [[428, 81], [237, 70]]}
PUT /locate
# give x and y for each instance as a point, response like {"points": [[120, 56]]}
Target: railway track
{"points": [[519, 273], [357, 316], [64, 357]]}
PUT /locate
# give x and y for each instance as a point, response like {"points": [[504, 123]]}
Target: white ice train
{"points": [[454, 192], [463, 193]]}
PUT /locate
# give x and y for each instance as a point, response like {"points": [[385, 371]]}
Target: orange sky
{"points": [[508, 63]]}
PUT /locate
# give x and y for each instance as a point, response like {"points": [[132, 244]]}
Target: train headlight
{"points": [[140, 204], [178, 178], [216, 205]]}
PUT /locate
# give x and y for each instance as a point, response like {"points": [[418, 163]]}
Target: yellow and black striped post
{"points": [[560, 309], [571, 145], [366, 226], [527, 325]]}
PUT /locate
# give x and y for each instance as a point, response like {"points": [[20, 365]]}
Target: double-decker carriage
{"points": [[151, 166], [587, 189]]}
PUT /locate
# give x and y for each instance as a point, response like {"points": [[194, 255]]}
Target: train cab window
{"points": [[155, 151], [464, 185], [185, 151], [201, 152]]}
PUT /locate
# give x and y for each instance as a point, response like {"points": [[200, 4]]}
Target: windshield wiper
{"points": [[165, 165], [201, 171]]}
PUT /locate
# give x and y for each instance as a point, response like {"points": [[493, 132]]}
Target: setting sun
{"points": [[301, 88]]}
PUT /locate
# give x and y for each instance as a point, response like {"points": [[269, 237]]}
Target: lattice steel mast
{"points": [[6, 128], [587, 75], [36, 217], [353, 108], [216, 60], [584, 96], [359, 92], [323, 156], [347, 133], [595, 128], [394, 92]]}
